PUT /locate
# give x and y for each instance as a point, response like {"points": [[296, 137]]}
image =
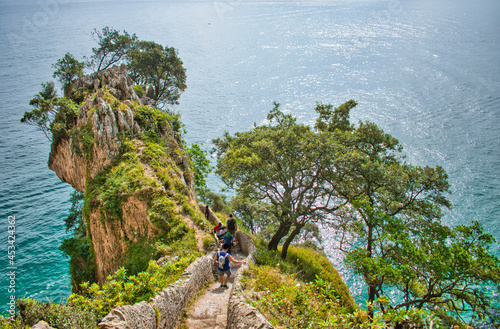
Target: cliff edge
{"points": [[129, 160]]}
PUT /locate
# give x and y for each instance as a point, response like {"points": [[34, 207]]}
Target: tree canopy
{"points": [[160, 68], [68, 69], [113, 47], [386, 213], [201, 167], [279, 163]]}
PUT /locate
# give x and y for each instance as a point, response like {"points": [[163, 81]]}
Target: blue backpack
{"points": [[222, 260]]}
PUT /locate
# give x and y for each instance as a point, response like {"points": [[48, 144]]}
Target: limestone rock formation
{"points": [[42, 325], [106, 123], [110, 116]]}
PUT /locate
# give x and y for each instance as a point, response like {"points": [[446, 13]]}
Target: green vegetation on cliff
{"points": [[138, 180], [305, 284]]}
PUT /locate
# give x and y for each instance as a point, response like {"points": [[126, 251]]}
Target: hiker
{"points": [[222, 259], [207, 212], [231, 225], [220, 231], [228, 240]]}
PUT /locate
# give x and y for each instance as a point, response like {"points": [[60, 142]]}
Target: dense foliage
{"points": [[85, 310], [201, 167], [113, 47], [303, 291], [385, 212], [280, 164], [68, 69], [160, 69]]}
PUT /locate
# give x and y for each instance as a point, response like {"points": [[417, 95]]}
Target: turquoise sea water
{"points": [[427, 72]]}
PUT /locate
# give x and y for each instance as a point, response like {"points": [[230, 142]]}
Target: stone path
{"points": [[209, 311]]}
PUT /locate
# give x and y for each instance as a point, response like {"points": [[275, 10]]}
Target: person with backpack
{"points": [[222, 259], [228, 239], [220, 231], [231, 225]]}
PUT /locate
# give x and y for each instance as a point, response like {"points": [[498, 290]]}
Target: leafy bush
{"points": [[111, 188], [87, 309], [139, 90], [308, 265], [56, 315], [218, 202], [305, 291], [291, 303], [155, 120], [312, 264]]}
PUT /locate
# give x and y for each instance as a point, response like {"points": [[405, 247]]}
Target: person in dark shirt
{"points": [[231, 225], [228, 240], [207, 212]]}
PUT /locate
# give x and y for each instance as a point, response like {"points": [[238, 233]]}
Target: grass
{"points": [[303, 291]]}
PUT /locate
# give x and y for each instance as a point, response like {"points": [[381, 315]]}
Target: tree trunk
{"points": [[280, 233], [371, 297], [289, 240], [371, 290]]}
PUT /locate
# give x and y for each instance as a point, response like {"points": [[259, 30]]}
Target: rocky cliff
{"points": [[129, 160]]}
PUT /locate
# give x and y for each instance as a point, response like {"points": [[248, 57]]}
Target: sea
{"points": [[427, 72]]}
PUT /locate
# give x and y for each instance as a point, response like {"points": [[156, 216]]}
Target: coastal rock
{"points": [[42, 325], [67, 158], [94, 144], [110, 238]]}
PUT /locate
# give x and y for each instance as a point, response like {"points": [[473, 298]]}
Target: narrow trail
{"points": [[209, 311], [198, 233]]}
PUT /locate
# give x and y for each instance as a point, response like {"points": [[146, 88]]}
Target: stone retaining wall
{"points": [[240, 314], [165, 309]]}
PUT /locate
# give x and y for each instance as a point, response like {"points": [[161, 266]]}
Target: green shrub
{"points": [[312, 264], [291, 303], [306, 263], [311, 272], [112, 187], [207, 241], [138, 256], [154, 120], [163, 213], [56, 315], [139, 90], [87, 309]]}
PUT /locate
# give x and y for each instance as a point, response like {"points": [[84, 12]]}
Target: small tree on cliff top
{"points": [[53, 115], [160, 68], [68, 69], [113, 47]]}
